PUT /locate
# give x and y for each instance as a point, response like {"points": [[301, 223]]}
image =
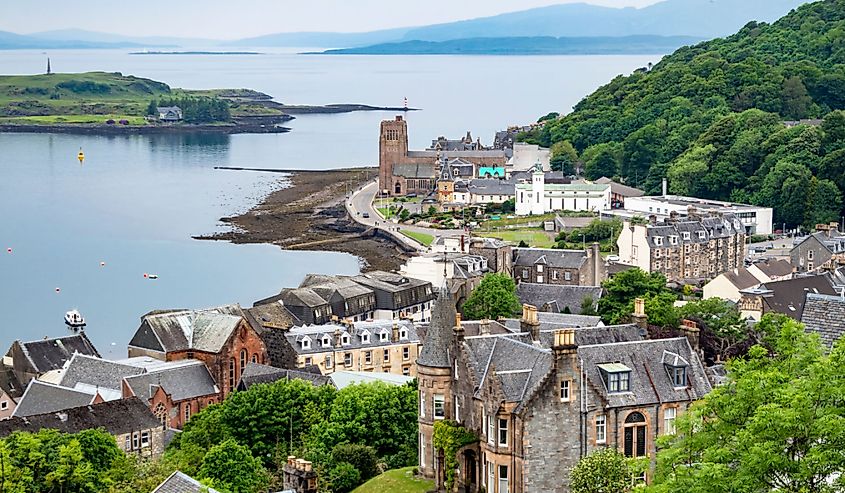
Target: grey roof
{"points": [[414, 170], [620, 189], [824, 315], [51, 354], [497, 153], [491, 187], [179, 482], [96, 372], [388, 281], [9, 382], [788, 296], [435, 350], [181, 382], [587, 336], [315, 335], [41, 397], [550, 321], [564, 259], [302, 297], [202, 330], [741, 278], [650, 382], [723, 226], [255, 373], [774, 268], [833, 241], [115, 417], [557, 297], [325, 286]]}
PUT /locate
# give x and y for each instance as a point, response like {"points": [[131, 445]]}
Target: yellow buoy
{"points": [[80, 156]]}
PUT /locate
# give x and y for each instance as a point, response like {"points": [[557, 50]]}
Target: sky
{"points": [[228, 19]]}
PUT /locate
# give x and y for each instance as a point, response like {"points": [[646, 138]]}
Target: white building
{"points": [[483, 192], [539, 197], [526, 156], [757, 220]]}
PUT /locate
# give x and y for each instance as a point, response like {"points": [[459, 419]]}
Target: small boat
{"points": [[150, 276], [74, 320]]}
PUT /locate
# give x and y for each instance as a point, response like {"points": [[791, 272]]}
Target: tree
{"points": [[775, 425], [362, 457], [588, 306], [342, 478], [494, 297], [603, 471], [786, 188], [231, 467], [620, 291], [564, 157], [601, 160], [825, 203], [152, 108], [723, 331], [796, 101]]}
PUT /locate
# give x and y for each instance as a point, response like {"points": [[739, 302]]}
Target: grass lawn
{"points": [[58, 119], [534, 238], [425, 239], [396, 481], [387, 212]]}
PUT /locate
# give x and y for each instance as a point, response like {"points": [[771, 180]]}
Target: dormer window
{"points": [[306, 343], [617, 377], [403, 334], [658, 241], [673, 240], [676, 368], [365, 337], [344, 339], [686, 235], [327, 341], [382, 337], [702, 235]]}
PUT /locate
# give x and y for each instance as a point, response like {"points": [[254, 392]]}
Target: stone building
{"points": [[540, 400], [131, 423], [37, 359], [557, 298], [219, 337], [402, 171], [398, 297], [685, 250], [299, 476], [179, 482], [819, 249], [499, 254], [378, 346], [825, 316], [562, 267]]}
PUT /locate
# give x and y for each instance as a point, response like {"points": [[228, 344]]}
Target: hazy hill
{"points": [[98, 37], [12, 41]]}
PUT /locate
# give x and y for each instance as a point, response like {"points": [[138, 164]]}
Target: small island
{"points": [[101, 102]]}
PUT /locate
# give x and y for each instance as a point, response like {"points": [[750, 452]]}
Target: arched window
{"points": [[243, 360], [255, 357], [398, 188], [635, 435], [187, 412], [161, 413]]}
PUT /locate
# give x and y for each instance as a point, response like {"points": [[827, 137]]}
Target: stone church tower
{"points": [[393, 150], [434, 374]]}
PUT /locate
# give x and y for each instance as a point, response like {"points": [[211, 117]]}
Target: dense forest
{"points": [[710, 117]]}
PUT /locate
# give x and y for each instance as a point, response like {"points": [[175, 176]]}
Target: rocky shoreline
{"points": [[100, 129], [307, 213]]}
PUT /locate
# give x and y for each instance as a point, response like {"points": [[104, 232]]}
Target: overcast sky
{"points": [[232, 19]]}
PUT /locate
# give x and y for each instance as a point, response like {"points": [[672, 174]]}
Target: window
{"points": [[702, 235], [347, 359], [539, 279], [564, 391], [567, 276], [439, 406], [491, 476], [368, 357], [810, 254], [187, 412], [635, 435], [422, 450], [503, 479], [503, 432], [406, 370], [344, 340], [525, 273], [135, 443], [243, 356], [308, 361], [127, 444], [619, 382], [4, 405], [491, 430], [145, 439], [160, 412], [403, 333], [255, 357], [422, 403], [365, 338], [601, 428], [306, 343], [456, 369], [406, 353], [328, 361], [539, 268], [673, 240], [232, 373], [383, 337], [554, 275], [669, 415], [457, 410], [386, 356], [679, 375], [327, 341]]}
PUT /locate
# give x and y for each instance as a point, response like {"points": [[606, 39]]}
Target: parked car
{"points": [[411, 195], [613, 258], [366, 215], [429, 201]]}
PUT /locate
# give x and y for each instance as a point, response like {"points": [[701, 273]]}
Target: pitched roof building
{"points": [[556, 298], [42, 397], [179, 482], [817, 250], [785, 297], [824, 315], [35, 358], [559, 267], [540, 400], [259, 374]]}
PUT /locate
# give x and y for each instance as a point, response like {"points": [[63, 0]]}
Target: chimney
{"points": [[337, 342], [596, 276], [459, 329], [530, 321], [639, 316], [665, 187], [652, 219], [484, 324], [395, 333], [563, 345], [291, 460], [693, 334]]}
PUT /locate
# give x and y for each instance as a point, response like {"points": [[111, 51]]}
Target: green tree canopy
{"points": [[494, 297], [231, 468], [603, 471], [564, 157], [778, 424], [620, 291]]}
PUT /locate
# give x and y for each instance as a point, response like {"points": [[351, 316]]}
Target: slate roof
{"points": [[742, 278], [40, 398], [588, 336], [563, 259], [620, 189], [301, 297], [325, 286], [650, 382], [51, 354], [435, 351], [181, 382], [202, 330], [414, 170], [9, 382], [256, 374], [115, 417], [179, 482], [270, 316], [388, 281], [824, 315], [491, 187], [550, 321], [96, 372], [788, 296], [356, 333], [724, 226], [774, 268], [557, 297]]}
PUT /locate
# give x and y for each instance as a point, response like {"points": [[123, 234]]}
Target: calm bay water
{"points": [[137, 199]]}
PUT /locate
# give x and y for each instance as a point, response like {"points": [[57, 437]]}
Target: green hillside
{"points": [[710, 117]]}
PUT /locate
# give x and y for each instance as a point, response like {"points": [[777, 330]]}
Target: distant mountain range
{"points": [[596, 45], [702, 19]]}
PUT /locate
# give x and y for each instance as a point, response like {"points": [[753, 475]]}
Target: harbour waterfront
{"points": [[136, 200]]}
